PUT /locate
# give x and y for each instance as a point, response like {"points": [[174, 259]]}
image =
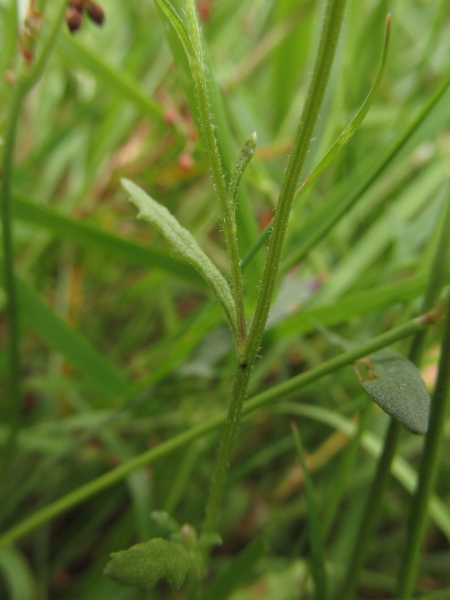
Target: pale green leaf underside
{"points": [[183, 242], [141, 566], [395, 384]]}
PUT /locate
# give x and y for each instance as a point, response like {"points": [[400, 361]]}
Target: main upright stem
{"points": [[327, 48]]}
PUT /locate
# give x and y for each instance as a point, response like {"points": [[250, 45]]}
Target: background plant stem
{"points": [[378, 486], [433, 439]]}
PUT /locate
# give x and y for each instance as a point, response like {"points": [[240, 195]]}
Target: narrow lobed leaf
{"points": [[143, 565], [183, 242]]}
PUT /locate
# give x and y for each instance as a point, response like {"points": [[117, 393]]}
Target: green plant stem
{"points": [[435, 283], [225, 449], [433, 440], [282, 390], [371, 510], [226, 203], [334, 13], [427, 470]]}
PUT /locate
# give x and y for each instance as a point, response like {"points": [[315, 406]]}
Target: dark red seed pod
{"points": [[77, 4], [95, 13], [74, 19]]}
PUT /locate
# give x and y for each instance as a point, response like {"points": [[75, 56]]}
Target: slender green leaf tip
{"points": [[245, 156]]}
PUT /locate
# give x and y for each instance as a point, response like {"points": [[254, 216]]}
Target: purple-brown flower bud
{"points": [[74, 18], [95, 13]]}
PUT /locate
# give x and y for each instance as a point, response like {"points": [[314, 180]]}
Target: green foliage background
{"points": [[122, 346]]}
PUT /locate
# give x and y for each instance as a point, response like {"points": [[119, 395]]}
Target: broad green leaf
{"points": [[182, 241], [395, 384], [141, 566]]}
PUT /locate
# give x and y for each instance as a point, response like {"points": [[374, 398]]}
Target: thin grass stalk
{"points": [[371, 511], [434, 436], [427, 471], [379, 483]]}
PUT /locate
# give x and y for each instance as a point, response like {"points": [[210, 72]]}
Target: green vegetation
{"points": [[180, 416]]}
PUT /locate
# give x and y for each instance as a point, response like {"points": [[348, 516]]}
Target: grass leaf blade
{"points": [[318, 569]]}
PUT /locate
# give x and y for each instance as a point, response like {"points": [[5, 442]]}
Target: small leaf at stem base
{"points": [[141, 566]]}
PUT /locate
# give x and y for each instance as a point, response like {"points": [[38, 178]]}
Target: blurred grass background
{"points": [[121, 348]]}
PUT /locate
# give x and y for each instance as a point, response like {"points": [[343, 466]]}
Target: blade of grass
{"points": [[318, 569], [97, 370], [230, 577], [26, 75], [323, 218], [433, 441], [354, 124], [113, 78], [379, 483], [67, 228], [357, 304]]}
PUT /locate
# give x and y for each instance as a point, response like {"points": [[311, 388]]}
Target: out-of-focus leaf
{"points": [[91, 236], [18, 575], [395, 384], [141, 566], [101, 374]]}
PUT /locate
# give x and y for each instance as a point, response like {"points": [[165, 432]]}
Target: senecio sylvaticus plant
{"points": [[389, 378]]}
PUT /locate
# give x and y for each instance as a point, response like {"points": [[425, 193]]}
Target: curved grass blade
{"points": [[395, 384], [318, 570], [87, 234], [185, 244], [352, 127], [101, 374]]}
